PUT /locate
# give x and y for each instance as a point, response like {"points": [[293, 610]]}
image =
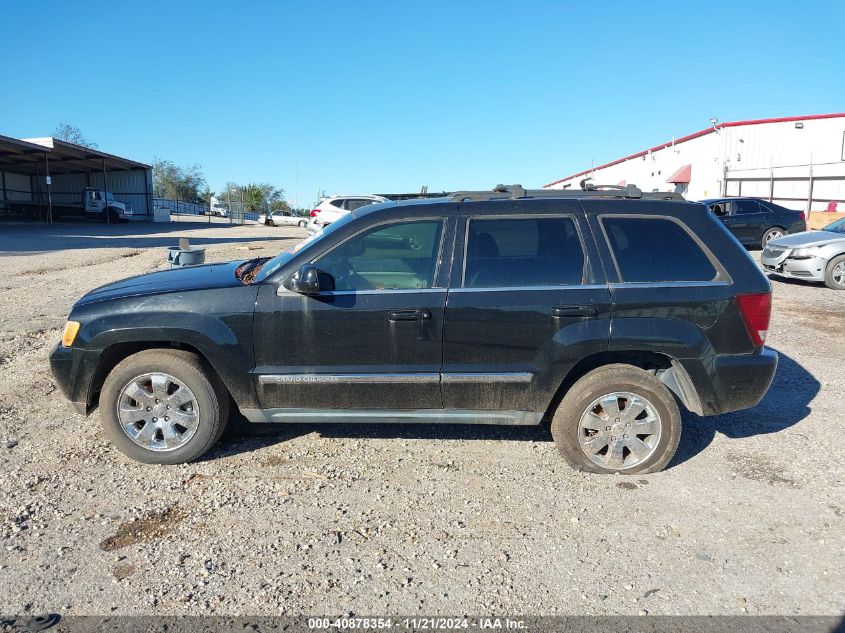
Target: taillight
{"points": [[756, 311], [314, 212]]}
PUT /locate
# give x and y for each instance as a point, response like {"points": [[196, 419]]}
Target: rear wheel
{"points": [[772, 234], [163, 407], [617, 419], [834, 276], [302, 223]]}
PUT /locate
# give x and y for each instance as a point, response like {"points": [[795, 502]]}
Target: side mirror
{"points": [[309, 280]]}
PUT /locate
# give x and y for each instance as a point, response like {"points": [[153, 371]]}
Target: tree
{"points": [[280, 205], [258, 196], [71, 134], [179, 183], [206, 195]]}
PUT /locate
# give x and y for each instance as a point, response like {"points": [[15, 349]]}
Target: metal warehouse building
{"points": [[798, 162], [38, 175]]}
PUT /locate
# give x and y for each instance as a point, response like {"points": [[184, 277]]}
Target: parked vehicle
{"points": [[754, 222], [281, 218], [812, 256], [219, 211], [331, 209], [95, 204], [600, 311]]}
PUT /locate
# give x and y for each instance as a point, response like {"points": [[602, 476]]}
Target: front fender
{"points": [[191, 319]]}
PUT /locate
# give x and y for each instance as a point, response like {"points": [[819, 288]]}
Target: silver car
{"points": [[811, 255]]}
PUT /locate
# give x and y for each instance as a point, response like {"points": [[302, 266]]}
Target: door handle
{"points": [[409, 315], [574, 311]]}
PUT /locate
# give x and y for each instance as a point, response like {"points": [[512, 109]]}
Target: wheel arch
{"points": [[664, 367], [117, 352]]}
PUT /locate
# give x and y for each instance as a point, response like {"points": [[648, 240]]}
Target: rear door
{"points": [[525, 304], [749, 221]]}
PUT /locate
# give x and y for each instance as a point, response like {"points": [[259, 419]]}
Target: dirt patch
{"points": [[122, 572], [273, 460], [70, 264], [151, 526], [816, 318], [759, 468]]}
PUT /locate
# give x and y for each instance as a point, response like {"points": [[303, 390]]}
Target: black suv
{"points": [[597, 310], [754, 222]]}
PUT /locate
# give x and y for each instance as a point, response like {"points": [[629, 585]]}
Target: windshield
{"points": [[836, 227], [277, 262]]}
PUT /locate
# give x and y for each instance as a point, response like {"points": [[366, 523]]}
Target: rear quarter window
{"points": [[655, 250]]}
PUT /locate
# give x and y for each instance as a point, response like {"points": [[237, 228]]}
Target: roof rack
{"points": [[515, 192]]}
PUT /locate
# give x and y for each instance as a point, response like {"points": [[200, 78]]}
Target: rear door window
{"points": [[655, 250], [520, 252], [357, 203], [746, 207]]}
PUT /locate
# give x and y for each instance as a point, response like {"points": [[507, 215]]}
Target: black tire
{"points": [[606, 380], [770, 234], [302, 223], [211, 396], [830, 278]]}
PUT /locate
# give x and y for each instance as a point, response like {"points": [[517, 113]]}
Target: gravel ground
{"points": [[404, 519]]}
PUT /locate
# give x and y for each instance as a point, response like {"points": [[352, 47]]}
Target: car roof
{"points": [[423, 203], [731, 199]]}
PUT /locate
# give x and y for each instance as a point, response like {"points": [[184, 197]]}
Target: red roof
{"points": [[682, 176], [708, 130]]}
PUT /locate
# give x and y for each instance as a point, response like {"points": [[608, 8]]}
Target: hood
{"points": [[808, 239], [205, 277]]}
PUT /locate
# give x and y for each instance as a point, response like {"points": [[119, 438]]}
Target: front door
{"points": [[524, 306], [372, 342]]}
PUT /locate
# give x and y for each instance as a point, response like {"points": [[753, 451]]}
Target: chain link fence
{"points": [[233, 211]]}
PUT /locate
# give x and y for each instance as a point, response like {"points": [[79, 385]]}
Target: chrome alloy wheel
{"points": [[619, 430], [158, 412], [838, 274], [773, 235]]}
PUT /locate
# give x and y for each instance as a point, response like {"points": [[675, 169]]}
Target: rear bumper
{"points": [[72, 374], [732, 383]]}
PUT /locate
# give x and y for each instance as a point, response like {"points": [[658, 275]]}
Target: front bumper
{"points": [[72, 375], [780, 263], [732, 382]]}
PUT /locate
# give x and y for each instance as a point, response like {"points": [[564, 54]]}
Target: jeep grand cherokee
{"points": [[599, 311]]}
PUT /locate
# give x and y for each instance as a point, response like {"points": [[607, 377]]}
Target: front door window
{"points": [[400, 256]]}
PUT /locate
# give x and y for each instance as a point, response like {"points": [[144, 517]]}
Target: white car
{"points": [[282, 218], [331, 209]]}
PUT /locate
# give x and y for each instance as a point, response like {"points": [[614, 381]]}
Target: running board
{"points": [[394, 416]]}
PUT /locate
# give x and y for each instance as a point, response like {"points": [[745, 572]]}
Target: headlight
{"points": [[802, 253], [69, 335]]}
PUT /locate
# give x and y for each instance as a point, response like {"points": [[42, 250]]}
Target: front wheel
{"points": [[162, 406], [772, 234], [617, 419], [302, 224], [834, 276]]}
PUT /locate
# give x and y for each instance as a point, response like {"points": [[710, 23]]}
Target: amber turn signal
{"points": [[71, 330]]}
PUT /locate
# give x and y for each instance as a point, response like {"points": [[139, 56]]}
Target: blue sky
{"points": [[361, 97]]}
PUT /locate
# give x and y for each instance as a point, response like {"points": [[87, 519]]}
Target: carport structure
{"points": [[43, 177]]}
